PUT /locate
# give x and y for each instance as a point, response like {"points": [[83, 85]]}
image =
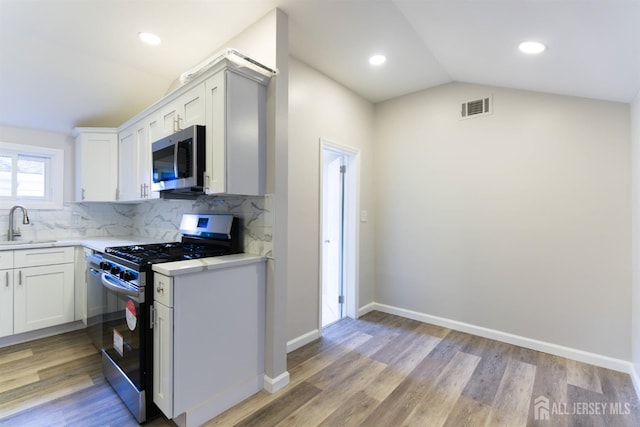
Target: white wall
{"points": [[50, 140], [635, 236], [518, 221], [321, 108]]}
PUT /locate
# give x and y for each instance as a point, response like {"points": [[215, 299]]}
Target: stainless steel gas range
{"points": [[127, 276]]}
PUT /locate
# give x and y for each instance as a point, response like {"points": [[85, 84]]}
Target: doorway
{"points": [[338, 233]]}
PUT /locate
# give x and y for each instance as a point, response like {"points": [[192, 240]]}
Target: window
{"points": [[31, 176]]}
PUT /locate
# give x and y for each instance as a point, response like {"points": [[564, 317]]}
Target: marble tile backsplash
{"points": [[158, 219], [74, 221]]}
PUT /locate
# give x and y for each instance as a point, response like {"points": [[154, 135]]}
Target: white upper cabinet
{"points": [[235, 134], [186, 110], [96, 164], [134, 161], [230, 101]]}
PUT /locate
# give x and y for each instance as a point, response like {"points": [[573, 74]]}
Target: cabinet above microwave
{"points": [[229, 100]]}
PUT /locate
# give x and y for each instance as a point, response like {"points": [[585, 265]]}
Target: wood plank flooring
{"points": [[380, 370]]}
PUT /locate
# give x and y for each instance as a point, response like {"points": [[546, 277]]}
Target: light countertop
{"points": [[95, 243], [191, 266], [176, 268]]}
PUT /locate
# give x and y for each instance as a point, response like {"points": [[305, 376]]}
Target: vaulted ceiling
{"points": [[66, 63]]}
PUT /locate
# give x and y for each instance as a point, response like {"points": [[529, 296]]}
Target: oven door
{"points": [[124, 328]]}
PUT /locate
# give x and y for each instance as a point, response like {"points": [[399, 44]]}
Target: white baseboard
{"points": [[558, 350], [41, 333], [367, 308], [208, 409], [635, 378], [272, 385], [305, 339]]}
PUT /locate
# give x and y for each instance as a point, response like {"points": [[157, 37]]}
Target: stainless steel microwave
{"points": [[178, 162]]}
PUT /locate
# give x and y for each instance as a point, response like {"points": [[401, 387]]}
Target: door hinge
{"points": [[343, 169], [341, 299]]}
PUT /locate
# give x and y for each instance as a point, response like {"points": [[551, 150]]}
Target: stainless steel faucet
{"points": [[25, 220]]}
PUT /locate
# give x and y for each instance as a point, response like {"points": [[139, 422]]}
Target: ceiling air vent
{"points": [[476, 108]]}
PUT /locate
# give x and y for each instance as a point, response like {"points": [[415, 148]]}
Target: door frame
{"points": [[351, 226]]}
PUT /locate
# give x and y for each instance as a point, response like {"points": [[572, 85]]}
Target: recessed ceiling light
{"points": [[532, 48], [149, 38], [377, 60]]}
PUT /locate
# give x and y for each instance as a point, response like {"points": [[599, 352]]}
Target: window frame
{"points": [[54, 178]]}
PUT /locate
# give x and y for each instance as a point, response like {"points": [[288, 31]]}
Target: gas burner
{"points": [[203, 236]]}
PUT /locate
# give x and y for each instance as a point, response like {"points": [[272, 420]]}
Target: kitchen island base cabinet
{"points": [[208, 341]]}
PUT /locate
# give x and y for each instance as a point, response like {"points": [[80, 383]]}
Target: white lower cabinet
{"points": [[43, 297], [208, 341], [6, 302], [163, 358], [36, 289]]}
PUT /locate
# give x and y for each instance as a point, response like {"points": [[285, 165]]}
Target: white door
{"points": [[332, 247]]}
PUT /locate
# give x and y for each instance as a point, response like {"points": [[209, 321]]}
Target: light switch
{"points": [[363, 216]]}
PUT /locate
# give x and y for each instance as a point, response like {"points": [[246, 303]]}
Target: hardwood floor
{"points": [[380, 370]]}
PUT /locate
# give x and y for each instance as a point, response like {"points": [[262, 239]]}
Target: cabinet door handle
{"points": [[20, 277], [83, 194], [205, 181], [141, 191], [7, 279]]}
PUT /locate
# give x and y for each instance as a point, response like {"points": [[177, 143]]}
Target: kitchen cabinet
{"points": [[43, 293], [6, 302], [6, 293], [96, 164], [134, 161], [208, 340], [163, 354], [186, 110], [235, 134], [80, 283], [229, 99]]}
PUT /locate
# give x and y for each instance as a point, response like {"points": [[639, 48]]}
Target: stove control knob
{"points": [[127, 276], [115, 270], [105, 265]]}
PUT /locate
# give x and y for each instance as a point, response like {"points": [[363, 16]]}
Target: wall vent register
{"points": [[476, 108]]}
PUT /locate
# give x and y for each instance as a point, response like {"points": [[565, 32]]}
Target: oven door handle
{"points": [[115, 286]]}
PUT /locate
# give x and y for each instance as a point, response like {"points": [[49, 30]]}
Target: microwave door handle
{"points": [[175, 158]]}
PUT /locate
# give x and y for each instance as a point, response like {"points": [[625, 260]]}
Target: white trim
{"points": [[272, 385], [635, 379], [367, 308], [352, 227], [41, 333], [204, 411], [558, 350], [302, 340], [54, 179]]}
